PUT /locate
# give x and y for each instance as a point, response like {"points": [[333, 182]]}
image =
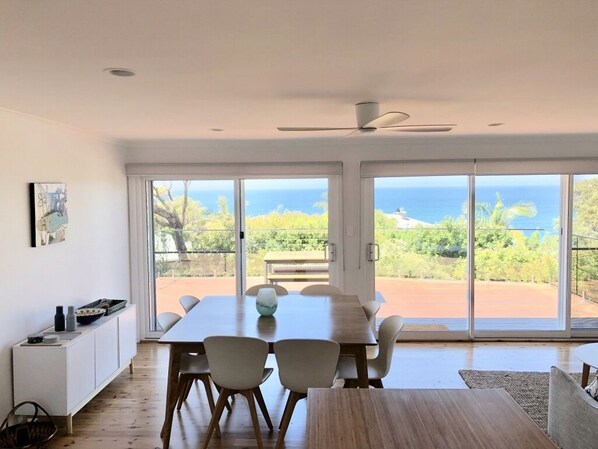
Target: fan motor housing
{"points": [[366, 112]]}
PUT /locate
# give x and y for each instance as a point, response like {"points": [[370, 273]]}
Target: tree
{"points": [[493, 222], [585, 208], [173, 214]]}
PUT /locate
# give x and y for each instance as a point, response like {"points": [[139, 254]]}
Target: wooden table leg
{"points": [[174, 366], [361, 363], [585, 374]]}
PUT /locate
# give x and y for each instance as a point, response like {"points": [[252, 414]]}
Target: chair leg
{"points": [[376, 383], [189, 385], [260, 401], [350, 383], [180, 392], [206, 383], [286, 406], [215, 417], [286, 417], [227, 405], [256, 425]]}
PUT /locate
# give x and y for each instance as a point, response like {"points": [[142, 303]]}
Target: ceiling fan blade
{"points": [[421, 128], [388, 119], [353, 133], [287, 128]]}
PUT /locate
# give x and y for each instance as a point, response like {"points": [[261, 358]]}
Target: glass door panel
{"points": [[420, 251], [194, 241], [517, 232], [584, 253], [286, 232]]}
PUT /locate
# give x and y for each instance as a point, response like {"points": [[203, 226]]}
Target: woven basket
{"points": [[33, 434]]}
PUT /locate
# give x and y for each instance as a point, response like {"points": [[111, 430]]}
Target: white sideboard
{"points": [[63, 377]]}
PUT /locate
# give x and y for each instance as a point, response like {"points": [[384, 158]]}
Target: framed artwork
{"points": [[49, 216]]}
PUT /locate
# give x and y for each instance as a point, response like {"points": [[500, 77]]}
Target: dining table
{"points": [[419, 419], [337, 318]]}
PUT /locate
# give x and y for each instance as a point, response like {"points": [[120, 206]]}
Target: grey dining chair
{"points": [[193, 367], [279, 289], [321, 290], [379, 366], [237, 365], [303, 364], [188, 302]]}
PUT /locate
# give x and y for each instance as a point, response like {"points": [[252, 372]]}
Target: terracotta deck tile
{"points": [[412, 298]]}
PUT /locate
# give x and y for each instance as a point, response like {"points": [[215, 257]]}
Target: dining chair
{"points": [[321, 290], [279, 289], [193, 367], [188, 302], [370, 309], [379, 366], [303, 364], [237, 365]]}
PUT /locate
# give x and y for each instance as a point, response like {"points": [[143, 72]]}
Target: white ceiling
{"points": [[248, 66]]}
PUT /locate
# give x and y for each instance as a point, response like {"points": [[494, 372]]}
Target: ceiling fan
{"points": [[370, 120]]}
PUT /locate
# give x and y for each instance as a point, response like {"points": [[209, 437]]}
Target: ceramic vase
{"points": [[266, 301]]}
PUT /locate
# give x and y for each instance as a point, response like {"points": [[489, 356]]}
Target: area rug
{"points": [[529, 389]]}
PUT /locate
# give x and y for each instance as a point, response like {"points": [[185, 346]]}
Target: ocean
{"points": [[428, 204]]}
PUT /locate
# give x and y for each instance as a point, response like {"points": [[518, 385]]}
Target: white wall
{"points": [[92, 263], [351, 151]]}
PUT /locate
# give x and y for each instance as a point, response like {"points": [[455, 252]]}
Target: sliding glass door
{"points": [[517, 241], [219, 237], [194, 245], [584, 253], [420, 250], [482, 255], [286, 232]]}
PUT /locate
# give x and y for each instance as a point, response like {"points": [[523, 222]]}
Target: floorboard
{"points": [[129, 412]]}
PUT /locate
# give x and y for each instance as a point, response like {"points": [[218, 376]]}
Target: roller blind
{"points": [[536, 166], [237, 170], [380, 169], [376, 169]]}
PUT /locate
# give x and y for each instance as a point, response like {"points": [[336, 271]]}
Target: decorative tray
{"points": [[110, 305]]}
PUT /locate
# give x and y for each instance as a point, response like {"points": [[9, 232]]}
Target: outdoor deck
{"points": [[429, 304]]}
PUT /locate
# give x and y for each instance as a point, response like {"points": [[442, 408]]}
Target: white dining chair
{"points": [[188, 302], [303, 364], [321, 290], [237, 365], [279, 289], [379, 366], [193, 367], [370, 309]]}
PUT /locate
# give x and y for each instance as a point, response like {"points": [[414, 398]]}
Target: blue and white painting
{"points": [[49, 215]]}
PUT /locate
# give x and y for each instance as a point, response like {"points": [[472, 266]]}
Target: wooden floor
{"points": [[130, 411]]}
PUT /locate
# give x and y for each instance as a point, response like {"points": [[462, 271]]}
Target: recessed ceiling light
{"points": [[216, 129], [120, 72], [495, 124]]}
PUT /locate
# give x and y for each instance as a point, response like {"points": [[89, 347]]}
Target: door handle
{"points": [[373, 252], [330, 252]]}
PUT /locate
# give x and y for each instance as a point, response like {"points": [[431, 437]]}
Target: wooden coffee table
{"points": [[588, 354], [419, 419]]}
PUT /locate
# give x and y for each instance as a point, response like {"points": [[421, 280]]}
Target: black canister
{"points": [[59, 319]]}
